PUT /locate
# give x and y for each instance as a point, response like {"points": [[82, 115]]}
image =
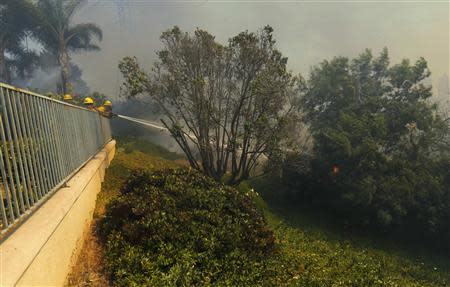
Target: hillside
{"points": [[309, 250]]}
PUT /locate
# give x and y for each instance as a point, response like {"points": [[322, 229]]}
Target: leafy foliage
{"points": [[381, 150], [323, 261], [306, 252], [177, 227], [230, 104], [49, 22], [16, 25], [60, 38]]}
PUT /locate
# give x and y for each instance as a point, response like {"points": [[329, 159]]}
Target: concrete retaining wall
{"points": [[43, 249]]}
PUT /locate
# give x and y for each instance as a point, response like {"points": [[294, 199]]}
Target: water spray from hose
{"points": [[143, 122]]}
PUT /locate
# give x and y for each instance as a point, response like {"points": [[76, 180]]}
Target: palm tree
{"points": [[16, 22], [60, 38], [21, 63]]}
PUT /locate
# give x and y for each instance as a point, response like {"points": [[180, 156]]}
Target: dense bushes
{"points": [[416, 198], [381, 153], [177, 227], [142, 249]]}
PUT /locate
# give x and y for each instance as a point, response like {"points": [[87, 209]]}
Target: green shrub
{"points": [[180, 228]]}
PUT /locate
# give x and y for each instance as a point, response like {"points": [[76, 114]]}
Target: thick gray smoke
{"points": [[306, 32], [47, 78], [43, 81]]}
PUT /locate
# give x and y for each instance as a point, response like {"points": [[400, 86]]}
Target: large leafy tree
{"points": [[16, 24], [60, 37], [227, 105], [381, 148], [366, 102]]}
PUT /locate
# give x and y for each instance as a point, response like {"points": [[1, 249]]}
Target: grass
{"points": [[314, 250], [133, 154], [337, 256]]}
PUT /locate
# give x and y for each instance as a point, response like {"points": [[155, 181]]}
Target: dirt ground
{"points": [[88, 271]]}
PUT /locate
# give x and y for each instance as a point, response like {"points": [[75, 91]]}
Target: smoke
{"points": [[443, 93], [124, 128], [145, 111], [47, 78], [306, 32], [42, 81], [443, 87]]}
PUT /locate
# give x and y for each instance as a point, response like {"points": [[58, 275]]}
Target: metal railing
{"points": [[43, 142]]}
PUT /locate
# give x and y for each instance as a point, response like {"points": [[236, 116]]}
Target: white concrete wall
{"points": [[43, 249]]}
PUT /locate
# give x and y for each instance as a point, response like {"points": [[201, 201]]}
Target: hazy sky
{"points": [[306, 31]]}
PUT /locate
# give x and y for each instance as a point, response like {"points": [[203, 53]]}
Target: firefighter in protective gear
{"points": [[106, 109], [89, 103], [68, 98], [108, 103]]}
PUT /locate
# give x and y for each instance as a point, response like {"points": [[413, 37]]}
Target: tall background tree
{"points": [[17, 23], [60, 37], [227, 106], [381, 152]]}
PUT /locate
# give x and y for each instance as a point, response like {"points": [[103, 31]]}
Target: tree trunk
{"points": [[64, 65], [3, 71]]}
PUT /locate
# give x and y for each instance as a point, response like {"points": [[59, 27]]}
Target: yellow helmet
{"points": [[88, 101], [107, 103], [67, 97]]}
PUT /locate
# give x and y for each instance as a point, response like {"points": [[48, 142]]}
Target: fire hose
{"points": [[143, 122]]}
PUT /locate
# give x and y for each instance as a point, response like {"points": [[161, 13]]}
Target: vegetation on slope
{"points": [[90, 270], [179, 228], [334, 254], [359, 136], [305, 251], [133, 154], [381, 153]]}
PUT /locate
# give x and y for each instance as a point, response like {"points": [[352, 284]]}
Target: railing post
{"points": [[12, 153]]}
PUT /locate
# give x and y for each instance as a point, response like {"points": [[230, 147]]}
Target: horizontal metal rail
{"points": [[43, 142]]}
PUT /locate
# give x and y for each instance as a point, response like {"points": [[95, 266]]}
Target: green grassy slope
{"points": [[330, 256], [312, 252], [133, 154]]}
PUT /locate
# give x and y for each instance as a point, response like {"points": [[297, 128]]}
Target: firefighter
{"points": [[106, 109], [89, 103], [68, 98]]}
